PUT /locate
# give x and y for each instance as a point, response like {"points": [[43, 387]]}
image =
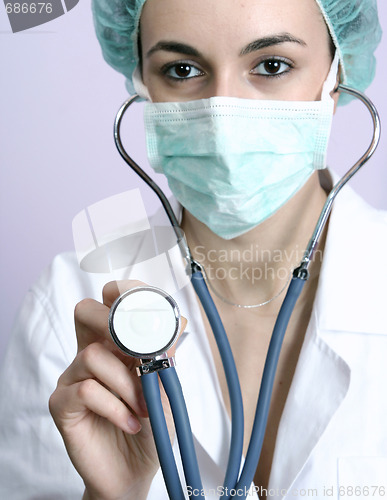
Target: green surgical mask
{"points": [[232, 163]]}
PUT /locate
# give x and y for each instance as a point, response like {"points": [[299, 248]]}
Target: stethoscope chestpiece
{"points": [[144, 322]]}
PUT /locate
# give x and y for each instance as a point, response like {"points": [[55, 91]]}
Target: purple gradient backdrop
{"points": [[58, 100]]}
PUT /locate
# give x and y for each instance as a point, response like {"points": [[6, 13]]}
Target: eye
{"points": [[181, 71], [272, 67]]}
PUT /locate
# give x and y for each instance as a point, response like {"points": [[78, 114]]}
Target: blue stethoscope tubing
{"points": [[171, 384], [151, 388], [232, 485], [232, 379], [262, 411], [174, 392]]}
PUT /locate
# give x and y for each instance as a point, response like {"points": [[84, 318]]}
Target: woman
{"points": [[277, 50]]}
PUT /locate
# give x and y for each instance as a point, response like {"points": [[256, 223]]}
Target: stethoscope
{"points": [[145, 322]]}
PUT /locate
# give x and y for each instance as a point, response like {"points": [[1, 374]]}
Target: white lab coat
{"points": [[333, 431]]}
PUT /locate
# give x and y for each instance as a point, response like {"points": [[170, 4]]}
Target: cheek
{"points": [[155, 89], [151, 79], [314, 78]]}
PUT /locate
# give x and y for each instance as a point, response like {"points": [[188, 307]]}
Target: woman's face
{"points": [[253, 49]]}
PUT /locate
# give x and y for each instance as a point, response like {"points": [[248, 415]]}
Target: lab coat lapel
{"points": [[322, 377], [319, 386]]}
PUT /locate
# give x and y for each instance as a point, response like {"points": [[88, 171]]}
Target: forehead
{"points": [[230, 21]]}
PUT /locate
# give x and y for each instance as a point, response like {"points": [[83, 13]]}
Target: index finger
{"points": [[112, 290], [91, 323]]}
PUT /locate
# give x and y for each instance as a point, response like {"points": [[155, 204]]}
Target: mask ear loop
{"points": [[331, 80], [139, 85]]}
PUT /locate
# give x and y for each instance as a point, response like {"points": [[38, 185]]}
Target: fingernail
{"points": [[133, 424]]}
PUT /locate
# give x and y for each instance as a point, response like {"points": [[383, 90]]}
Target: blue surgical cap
{"points": [[353, 25]]}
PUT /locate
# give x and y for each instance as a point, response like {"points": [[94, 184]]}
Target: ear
{"points": [[335, 94], [139, 85]]}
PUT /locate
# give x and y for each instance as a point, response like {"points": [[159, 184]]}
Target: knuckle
{"points": [[115, 411], [52, 403], [91, 354], [55, 403], [86, 388], [61, 379]]}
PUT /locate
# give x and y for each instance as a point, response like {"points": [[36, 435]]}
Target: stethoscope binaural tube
{"points": [[148, 180], [299, 277], [313, 242]]}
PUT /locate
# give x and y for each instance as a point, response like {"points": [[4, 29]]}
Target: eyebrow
{"points": [[260, 43], [170, 46], [269, 41]]}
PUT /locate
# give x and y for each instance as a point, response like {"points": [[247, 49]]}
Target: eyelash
{"points": [[280, 60], [167, 67]]}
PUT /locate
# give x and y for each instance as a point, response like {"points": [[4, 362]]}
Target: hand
{"points": [[99, 408]]}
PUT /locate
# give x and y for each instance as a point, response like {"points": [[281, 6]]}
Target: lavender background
{"points": [[58, 100]]}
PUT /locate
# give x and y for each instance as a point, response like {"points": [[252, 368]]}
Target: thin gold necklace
{"points": [[243, 306]]}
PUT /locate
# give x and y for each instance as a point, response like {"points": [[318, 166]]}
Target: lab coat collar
{"points": [[348, 296]]}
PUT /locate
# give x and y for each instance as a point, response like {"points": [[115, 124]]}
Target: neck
{"points": [[255, 266]]}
